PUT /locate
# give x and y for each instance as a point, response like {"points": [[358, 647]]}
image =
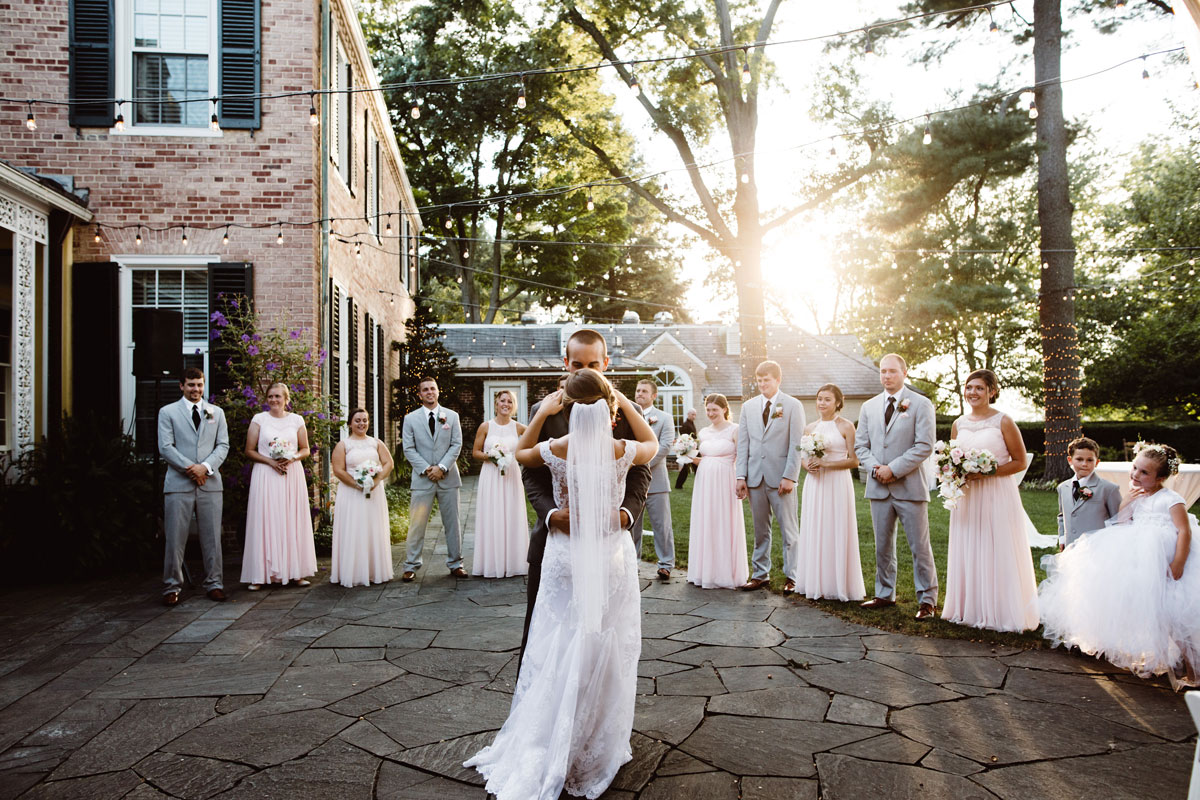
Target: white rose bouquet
{"points": [[500, 455], [364, 475], [954, 463], [684, 447], [812, 445], [279, 448]]}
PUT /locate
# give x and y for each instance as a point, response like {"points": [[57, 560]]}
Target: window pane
{"points": [[174, 7], [195, 305], [197, 33], [143, 287], [197, 8], [170, 29], [167, 80], [145, 30], [170, 290], [146, 7]]}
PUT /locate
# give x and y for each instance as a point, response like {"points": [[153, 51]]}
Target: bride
{"points": [[572, 711]]}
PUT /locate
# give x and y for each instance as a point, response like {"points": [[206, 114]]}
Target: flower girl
{"points": [[1130, 593]]}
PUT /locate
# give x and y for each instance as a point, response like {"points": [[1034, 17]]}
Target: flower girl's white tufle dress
{"points": [[1112, 595]]}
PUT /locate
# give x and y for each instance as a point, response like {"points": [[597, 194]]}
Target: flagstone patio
{"points": [[383, 691]]}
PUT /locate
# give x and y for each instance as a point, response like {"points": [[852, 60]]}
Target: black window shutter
{"points": [[352, 353], [240, 43], [369, 362], [91, 62], [335, 343], [225, 280], [95, 336], [381, 379]]}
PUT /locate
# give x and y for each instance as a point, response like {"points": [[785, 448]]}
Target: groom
{"points": [[895, 436], [194, 440], [432, 440], [585, 348], [768, 465]]}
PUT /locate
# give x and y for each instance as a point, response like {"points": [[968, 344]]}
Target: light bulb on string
{"points": [[1033, 111], [313, 119], [96, 236], [357, 250], [746, 66], [1145, 70], [184, 238], [521, 94], [518, 216], [870, 47], [415, 111], [591, 204], [1120, 4], [225, 237], [138, 239], [992, 26], [30, 122], [449, 223], [574, 256], [634, 86], [213, 123], [279, 236], [388, 227], [120, 122], [928, 137]]}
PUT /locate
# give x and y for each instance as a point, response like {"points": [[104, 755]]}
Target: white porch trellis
{"points": [[30, 228]]}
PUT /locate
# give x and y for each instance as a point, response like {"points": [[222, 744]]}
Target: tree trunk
{"points": [[1056, 312]]}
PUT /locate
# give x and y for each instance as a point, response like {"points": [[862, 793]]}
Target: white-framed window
{"points": [[342, 105], [518, 388], [166, 54], [674, 393], [175, 288]]}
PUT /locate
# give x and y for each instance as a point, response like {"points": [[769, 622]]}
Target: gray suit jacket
{"points": [[768, 454], [664, 429], [1077, 517], [424, 451], [903, 446], [182, 445]]}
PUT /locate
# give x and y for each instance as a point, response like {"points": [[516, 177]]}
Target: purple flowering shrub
{"points": [[256, 357]]}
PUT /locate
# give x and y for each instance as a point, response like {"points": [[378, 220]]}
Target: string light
{"points": [[120, 122], [357, 250], [591, 204], [992, 26], [870, 46], [279, 236], [415, 111], [184, 238], [1033, 111], [30, 122], [746, 66], [213, 123], [928, 138], [521, 93], [449, 223], [518, 216], [313, 119], [138, 239], [1145, 70], [225, 237], [96, 237], [633, 84], [388, 227]]}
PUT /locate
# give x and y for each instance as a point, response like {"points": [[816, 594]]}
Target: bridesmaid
{"points": [[362, 542], [990, 582], [279, 533], [717, 548], [501, 527], [829, 562]]}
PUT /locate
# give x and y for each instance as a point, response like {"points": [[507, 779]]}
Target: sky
{"points": [[1121, 108]]}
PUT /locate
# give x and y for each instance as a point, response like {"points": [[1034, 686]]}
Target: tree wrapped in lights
{"points": [[421, 354]]}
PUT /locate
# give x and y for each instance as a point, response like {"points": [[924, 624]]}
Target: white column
{"points": [[30, 228]]}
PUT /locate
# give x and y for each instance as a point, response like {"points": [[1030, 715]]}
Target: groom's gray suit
{"points": [[902, 445], [182, 445], [766, 454], [423, 450]]}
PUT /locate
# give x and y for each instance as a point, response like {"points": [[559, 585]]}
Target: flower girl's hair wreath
{"points": [[1162, 454]]}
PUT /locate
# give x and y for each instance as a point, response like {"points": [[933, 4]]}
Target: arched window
{"points": [[674, 393]]}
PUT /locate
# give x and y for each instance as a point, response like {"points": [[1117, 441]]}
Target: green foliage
{"points": [[421, 354], [79, 503], [471, 143], [258, 357]]}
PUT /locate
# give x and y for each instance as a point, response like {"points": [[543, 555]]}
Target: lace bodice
{"points": [[718, 443], [985, 434], [558, 473], [359, 451]]}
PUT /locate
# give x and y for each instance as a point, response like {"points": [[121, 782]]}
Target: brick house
{"points": [[687, 362], [313, 218]]}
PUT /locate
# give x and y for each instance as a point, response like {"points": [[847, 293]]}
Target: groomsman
{"points": [[585, 348], [895, 435], [194, 441], [658, 497], [768, 466], [432, 439], [689, 428]]}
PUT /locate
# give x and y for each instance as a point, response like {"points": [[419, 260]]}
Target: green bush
{"points": [[82, 501]]}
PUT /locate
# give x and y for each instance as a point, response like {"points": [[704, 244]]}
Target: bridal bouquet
{"points": [[279, 448], [812, 445], [684, 447], [954, 463], [364, 475], [500, 455]]}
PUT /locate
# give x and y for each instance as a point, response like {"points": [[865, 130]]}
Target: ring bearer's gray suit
{"points": [[903, 447], [658, 497], [1087, 514], [765, 456], [182, 444], [424, 451]]}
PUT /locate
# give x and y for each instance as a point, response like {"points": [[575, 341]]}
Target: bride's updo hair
{"points": [[587, 386], [1163, 455]]}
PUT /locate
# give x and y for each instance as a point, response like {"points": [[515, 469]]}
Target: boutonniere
{"points": [[1085, 492], [778, 413], [652, 420], [208, 414], [442, 419], [903, 405]]}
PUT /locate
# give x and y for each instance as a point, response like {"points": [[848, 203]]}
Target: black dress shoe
{"points": [[171, 599], [216, 595], [878, 602]]}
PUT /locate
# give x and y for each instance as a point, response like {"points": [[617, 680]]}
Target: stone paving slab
{"points": [[383, 691]]}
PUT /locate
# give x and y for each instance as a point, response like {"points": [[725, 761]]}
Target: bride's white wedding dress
{"points": [[572, 711]]}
